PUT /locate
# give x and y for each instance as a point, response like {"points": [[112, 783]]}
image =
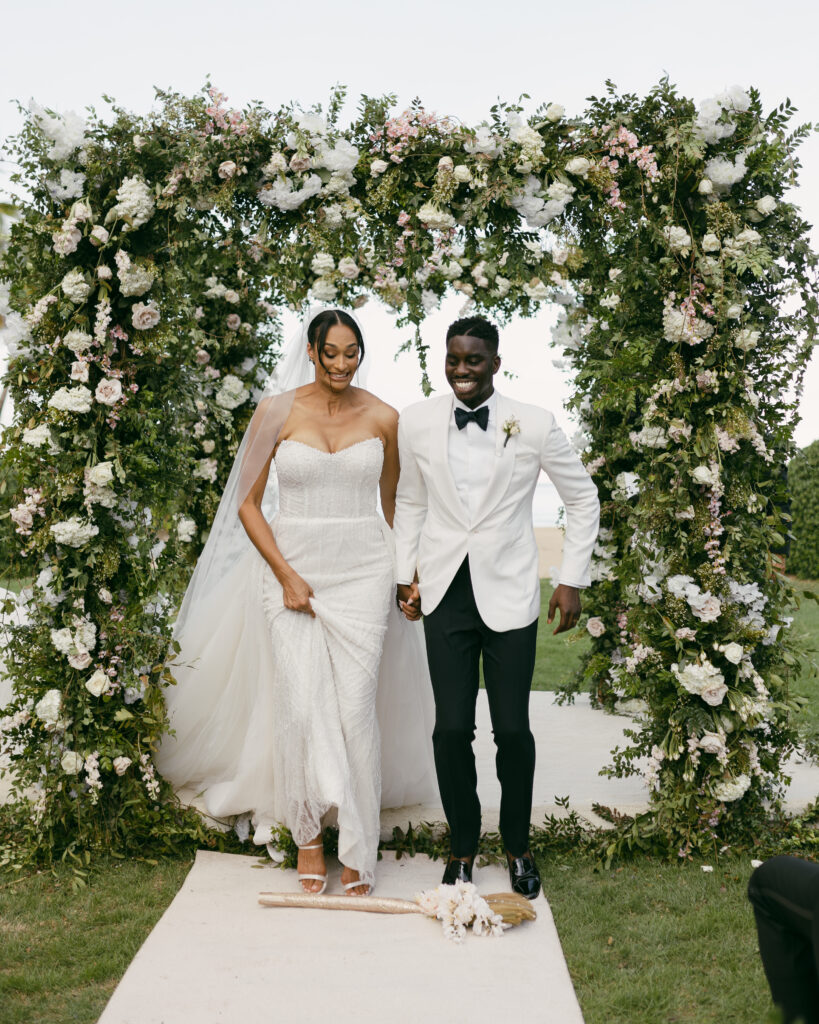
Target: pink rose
{"points": [[234, 321], [144, 316], [108, 392], [202, 356], [596, 627]]}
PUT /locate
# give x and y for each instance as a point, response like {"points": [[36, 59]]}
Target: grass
{"points": [[63, 950], [645, 944], [648, 943]]}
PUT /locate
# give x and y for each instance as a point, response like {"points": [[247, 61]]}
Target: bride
{"points": [[292, 653]]}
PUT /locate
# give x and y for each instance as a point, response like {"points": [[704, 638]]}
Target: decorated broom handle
{"points": [[369, 904]]}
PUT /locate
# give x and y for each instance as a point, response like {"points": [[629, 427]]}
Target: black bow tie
{"points": [[479, 416]]}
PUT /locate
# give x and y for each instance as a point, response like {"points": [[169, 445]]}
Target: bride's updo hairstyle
{"points": [[320, 326]]}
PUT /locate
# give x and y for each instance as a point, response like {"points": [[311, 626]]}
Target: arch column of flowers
{"points": [[142, 285]]}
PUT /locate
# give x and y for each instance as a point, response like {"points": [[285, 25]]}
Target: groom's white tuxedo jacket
{"points": [[434, 531]]}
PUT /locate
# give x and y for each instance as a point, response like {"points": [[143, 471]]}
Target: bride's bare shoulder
{"points": [[380, 409]]}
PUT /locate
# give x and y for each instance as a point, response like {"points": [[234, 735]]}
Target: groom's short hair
{"points": [[476, 327]]}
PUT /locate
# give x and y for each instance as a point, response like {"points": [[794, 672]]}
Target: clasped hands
{"points": [[564, 599]]}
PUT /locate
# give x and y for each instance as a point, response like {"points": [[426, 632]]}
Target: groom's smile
{"points": [[470, 366]]}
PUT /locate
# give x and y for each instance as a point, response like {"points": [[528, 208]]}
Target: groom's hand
{"points": [[409, 600], [567, 599]]}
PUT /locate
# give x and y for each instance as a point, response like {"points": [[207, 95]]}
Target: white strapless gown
{"points": [[274, 712]]}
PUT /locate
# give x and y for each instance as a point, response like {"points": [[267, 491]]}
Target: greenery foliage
{"points": [[148, 262], [803, 483]]}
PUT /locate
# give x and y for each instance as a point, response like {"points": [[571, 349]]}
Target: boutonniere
{"points": [[510, 428]]}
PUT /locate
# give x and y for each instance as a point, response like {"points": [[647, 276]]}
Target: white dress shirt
{"points": [[471, 454]]}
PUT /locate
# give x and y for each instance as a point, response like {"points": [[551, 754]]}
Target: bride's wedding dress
{"points": [[274, 711]]}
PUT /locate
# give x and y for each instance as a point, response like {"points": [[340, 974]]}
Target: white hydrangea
{"points": [[69, 185], [77, 341], [322, 264], [766, 205], [679, 326], [434, 218], [37, 436], [186, 529], [135, 203], [205, 469], [284, 195], [76, 399], [539, 207], [338, 159], [484, 142], [677, 239], [65, 131], [649, 437], [74, 286], [731, 789], [48, 707], [724, 172], [74, 532], [13, 328], [323, 289], [232, 393], [133, 280]]}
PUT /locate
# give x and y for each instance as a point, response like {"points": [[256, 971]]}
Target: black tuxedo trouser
{"points": [[456, 637], [784, 893]]}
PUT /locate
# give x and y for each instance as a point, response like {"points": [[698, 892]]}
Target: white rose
{"points": [[71, 762], [97, 683], [226, 169], [108, 392], [121, 764], [446, 164], [99, 235], [733, 652], [104, 273], [710, 242], [555, 111], [702, 475], [47, 708], [231, 296], [734, 312], [102, 474], [677, 239], [596, 627], [705, 187], [748, 237], [144, 315], [79, 371], [348, 268], [208, 445], [579, 166], [746, 339], [705, 606], [766, 205], [462, 173], [105, 595], [378, 167], [712, 743]]}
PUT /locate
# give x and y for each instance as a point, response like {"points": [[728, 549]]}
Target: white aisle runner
{"points": [[217, 956]]}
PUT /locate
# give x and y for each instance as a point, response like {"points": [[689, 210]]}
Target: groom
{"points": [[467, 560]]}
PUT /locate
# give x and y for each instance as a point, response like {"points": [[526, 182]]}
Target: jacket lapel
{"points": [[503, 463], [439, 457]]}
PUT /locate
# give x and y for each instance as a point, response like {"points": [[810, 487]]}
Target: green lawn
{"points": [[645, 944]]}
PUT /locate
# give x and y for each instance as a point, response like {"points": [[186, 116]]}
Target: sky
{"points": [[458, 58]]}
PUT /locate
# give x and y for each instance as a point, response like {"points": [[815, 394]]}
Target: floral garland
{"points": [[138, 306]]}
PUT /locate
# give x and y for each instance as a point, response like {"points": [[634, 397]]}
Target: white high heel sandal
{"points": [[347, 886], [317, 878]]}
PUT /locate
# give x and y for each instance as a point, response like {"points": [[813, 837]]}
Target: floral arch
{"points": [[139, 308]]}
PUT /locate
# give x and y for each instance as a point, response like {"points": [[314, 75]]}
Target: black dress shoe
{"points": [[524, 876], [457, 871]]}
